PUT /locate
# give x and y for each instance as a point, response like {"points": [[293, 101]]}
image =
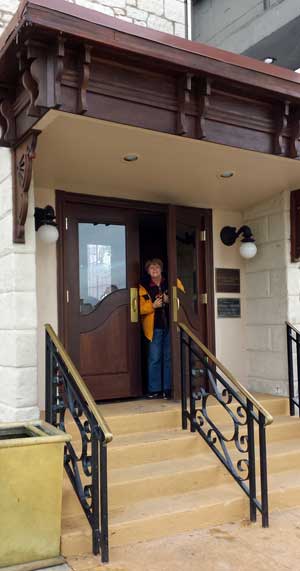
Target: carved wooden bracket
{"points": [[7, 124], [42, 72], [282, 121], [203, 96], [84, 77], [295, 135], [23, 156], [184, 89]]}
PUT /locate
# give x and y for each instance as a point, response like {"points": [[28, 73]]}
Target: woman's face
{"points": [[154, 271]]}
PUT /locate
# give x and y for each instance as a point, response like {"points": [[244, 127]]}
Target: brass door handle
{"points": [[176, 304], [134, 312]]}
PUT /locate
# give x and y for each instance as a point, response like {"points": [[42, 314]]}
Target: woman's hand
{"points": [[158, 302], [165, 298]]}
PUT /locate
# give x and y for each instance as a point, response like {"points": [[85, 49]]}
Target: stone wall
{"points": [[272, 292], [18, 312], [162, 15]]}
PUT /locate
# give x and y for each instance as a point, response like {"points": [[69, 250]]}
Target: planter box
{"points": [[31, 474]]}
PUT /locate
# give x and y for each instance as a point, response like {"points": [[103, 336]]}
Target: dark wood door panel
{"points": [[106, 387], [105, 349]]}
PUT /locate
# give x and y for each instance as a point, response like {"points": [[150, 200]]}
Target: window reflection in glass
{"points": [[102, 262]]}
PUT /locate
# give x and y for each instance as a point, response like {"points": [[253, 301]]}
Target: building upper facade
{"points": [[161, 15], [257, 28]]}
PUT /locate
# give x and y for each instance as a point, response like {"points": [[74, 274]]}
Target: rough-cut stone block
{"points": [[9, 5], [125, 19], [138, 23], [119, 11], [17, 272], [293, 280], [259, 338], [6, 196], [269, 311], [18, 310], [258, 285], [278, 283], [154, 6], [260, 229], [267, 365], [160, 24], [18, 386], [175, 11], [277, 227], [11, 414], [18, 349], [95, 6], [278, 335], [137, 14], [180, 30], [268, 386], [269, 256], [294, 309]]}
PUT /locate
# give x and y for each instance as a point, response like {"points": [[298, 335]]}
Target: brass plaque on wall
{"points": [[228, 280], [229, 307]]}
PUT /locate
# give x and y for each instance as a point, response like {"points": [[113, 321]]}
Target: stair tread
{"points": [[190, 501], [136, 438]]}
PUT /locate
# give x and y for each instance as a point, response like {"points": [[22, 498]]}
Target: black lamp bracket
{"points": [[44, 216], [229, 234]]}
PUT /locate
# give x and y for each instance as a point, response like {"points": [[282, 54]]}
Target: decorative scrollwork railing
{"points": [[293, 349], [87, 470], [234, 447]]}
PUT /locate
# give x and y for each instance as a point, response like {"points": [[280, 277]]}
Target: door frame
{"points": [[62, 198]]}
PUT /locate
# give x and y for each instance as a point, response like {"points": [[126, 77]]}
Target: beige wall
{"points": [[46, 291], [230, 332]]}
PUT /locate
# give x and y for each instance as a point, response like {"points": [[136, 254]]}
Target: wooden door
{"points": [[101, 265], [191, 260]]}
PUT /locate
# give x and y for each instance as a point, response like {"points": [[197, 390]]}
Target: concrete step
{"points": [[145, 416], [164, 516], [173, 476]]}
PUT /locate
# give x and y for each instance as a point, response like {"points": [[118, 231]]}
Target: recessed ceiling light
{"points": [[226, 174], [130, 158], [269, 59], [297, 70]]}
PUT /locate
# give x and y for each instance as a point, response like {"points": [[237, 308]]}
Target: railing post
{"points": [[298, 368], [290, 371], [251, 460], [183, 381], [95, 494], [103, 503], [49, 381], [263, 471], [192, 400]]}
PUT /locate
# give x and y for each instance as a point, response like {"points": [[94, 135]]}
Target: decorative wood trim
{"points": [[282, 121], [203, 95], [184, 89], [8, 123], [84, 77], [23, 156], [295, 134]]}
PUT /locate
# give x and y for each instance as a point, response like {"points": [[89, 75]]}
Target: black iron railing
{"points": [[293, 351], [239, 447], [66, 393]]}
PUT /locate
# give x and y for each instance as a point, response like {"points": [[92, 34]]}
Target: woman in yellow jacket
{"points": [[154, 310]]}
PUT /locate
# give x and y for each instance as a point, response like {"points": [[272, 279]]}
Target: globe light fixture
{"points": [[229, 235], [45, 226]]}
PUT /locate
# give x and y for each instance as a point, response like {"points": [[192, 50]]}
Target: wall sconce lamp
{"points": [[248, 248], [45, 226]]}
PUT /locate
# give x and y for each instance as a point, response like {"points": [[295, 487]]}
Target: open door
{"points": [[100, 263], [191, 260]]}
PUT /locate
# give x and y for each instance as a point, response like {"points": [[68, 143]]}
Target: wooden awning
{"points": [[55, 54]]}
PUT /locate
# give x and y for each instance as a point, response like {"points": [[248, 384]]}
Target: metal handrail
{"points": [[108, 435], [232, 379], [293, 337]]}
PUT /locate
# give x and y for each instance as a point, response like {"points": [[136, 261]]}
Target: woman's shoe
{"points": [[153, 395], [166, 395]]}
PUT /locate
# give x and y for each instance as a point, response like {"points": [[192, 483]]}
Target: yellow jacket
{"points": [[147, 310]]}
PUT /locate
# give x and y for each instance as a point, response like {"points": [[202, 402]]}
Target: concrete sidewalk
{"points": [[230, 547]]}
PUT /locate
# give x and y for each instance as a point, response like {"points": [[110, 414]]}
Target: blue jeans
{"points": [[159, 358]]}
